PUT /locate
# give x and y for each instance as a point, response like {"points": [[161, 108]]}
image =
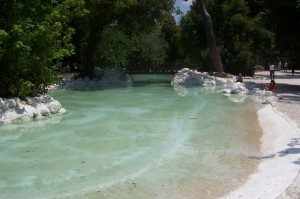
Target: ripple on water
{"points": [[142, 142]]}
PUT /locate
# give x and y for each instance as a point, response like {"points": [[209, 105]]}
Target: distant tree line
{"points": [[39, 39], [247, 32]]}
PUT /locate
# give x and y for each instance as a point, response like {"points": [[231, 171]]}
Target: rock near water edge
{"points": [[14, 109], [236, 91]]}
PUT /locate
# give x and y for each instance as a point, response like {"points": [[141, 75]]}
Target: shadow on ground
{"points": [[278, 75], [286, 92], [284, 88], [293, 149]]}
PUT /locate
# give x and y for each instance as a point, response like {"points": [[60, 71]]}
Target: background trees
{"points": [[241, 31], [210, 36], [237, 30], [132, 18], [282, 19], [113, 49], [38, 39], [247, 32]]}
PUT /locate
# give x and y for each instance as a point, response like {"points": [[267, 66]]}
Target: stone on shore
{"points": [[14, 109], [236, 91], [186, 76]]}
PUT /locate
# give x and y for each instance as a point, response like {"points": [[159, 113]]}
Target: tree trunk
{"points": [[210, 37], [88, 61], [97, 24]]}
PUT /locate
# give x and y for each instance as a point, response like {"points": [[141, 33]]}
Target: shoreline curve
{"points": [[279, 166]]}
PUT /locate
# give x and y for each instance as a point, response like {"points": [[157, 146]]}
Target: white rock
{"points": [[14, 109], [226, 90], [54, 107], [220, 81], [186, 76], [235, 91]]}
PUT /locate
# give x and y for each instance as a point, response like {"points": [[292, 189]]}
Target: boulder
{"points": [[235, 91], [186, 76], [14, 109]]}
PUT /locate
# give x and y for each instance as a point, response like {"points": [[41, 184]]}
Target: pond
{"points": [[144, 141]]}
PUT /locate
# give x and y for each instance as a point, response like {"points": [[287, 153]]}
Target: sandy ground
{"points": [[288, 91], [278, 174]]}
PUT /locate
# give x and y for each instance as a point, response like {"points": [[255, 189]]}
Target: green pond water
{"points": [[145, 141]]}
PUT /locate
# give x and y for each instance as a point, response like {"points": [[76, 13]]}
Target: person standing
{"points": [[272, 71], [293, 69], [279, 65], [285, 66]]}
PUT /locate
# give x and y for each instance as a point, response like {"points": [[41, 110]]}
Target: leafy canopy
{"points": [[34, 38]]}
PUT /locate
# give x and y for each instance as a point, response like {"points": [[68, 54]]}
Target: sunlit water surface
{"points": [[145, 141]]}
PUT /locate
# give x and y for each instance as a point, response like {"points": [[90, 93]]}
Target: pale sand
{"points": [[277, 175]]}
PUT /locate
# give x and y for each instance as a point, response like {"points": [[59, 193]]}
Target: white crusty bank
{"points": [[14, 109], [236, 91]]}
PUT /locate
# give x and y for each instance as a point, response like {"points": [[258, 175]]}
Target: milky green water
{"points": [[145, 141]]}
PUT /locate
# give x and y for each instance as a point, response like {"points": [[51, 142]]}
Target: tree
{"points": [[282, 18], [169, 29], [152, 49], [210, 37], [240, 32], [113, 49], [192, 43], [237, 30], [131, 17], [148, 51], [34, 38]]}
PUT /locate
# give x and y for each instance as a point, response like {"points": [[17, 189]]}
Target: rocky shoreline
{"points": [[14, 109], [235, 91]]}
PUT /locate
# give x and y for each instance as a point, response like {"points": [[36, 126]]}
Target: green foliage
{"points": [[148, 50], [22, 87], [237, 30], [191, 40], [282, 18], [37, 36], [3, 39], [153, 48], [120, 46], [168, 30], [113, 49], [237, 37], [130, 18], [34, 38]]}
